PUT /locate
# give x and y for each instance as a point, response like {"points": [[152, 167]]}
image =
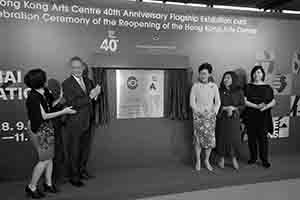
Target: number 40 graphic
{"points": [[110, 43]]}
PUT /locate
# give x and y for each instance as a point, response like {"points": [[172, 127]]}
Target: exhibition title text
{"points": [[11, 85], [125, 18]]}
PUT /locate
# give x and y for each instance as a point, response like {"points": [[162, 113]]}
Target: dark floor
{"points": [[144, 182]]}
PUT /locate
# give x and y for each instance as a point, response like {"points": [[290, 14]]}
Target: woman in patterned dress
{"points": [[205, 103], [41, 132]]}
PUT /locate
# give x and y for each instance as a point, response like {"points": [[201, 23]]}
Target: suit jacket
{"points": [[81, 102]]}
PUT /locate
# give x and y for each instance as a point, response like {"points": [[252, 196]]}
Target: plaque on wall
{"points": [[140, 93]]}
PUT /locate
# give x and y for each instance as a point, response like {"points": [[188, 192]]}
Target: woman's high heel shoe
{"points": [[208, 166], [198, 166], [50, 189], [235, 164], [33, 194], [221, 163]]}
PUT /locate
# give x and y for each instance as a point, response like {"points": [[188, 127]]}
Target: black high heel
{"points": [[33, 194], [266, 164], [50, 189]]}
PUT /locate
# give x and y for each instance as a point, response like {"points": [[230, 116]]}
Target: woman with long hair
{"points": [[228, 120]]}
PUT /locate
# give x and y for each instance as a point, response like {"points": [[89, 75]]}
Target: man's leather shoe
{"points": [[77, 183], [251, 161], [86, 176]]}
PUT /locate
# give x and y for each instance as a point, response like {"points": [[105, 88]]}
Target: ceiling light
{"points": [[291, 12], [175, 3], [238, 8], [196, 5], [151, 1]]}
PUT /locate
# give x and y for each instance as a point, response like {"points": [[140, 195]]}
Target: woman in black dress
{"points": [[38, 105], [228, 119], [259, 99]]}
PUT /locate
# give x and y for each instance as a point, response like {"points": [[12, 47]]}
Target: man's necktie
{"points": [[82, 85]]}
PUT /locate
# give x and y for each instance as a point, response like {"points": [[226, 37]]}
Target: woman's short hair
{"points": [[235, 83], [35, 79], [205, 66], [255, 68]]}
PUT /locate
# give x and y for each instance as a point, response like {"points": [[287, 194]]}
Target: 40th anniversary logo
{"points": [[110, 43]]}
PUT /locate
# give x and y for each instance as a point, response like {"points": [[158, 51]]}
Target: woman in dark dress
{"points": [[228, 119], [38, 105], [259, 99]]}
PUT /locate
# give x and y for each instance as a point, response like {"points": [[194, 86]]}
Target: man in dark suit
{"points": [[79, 92]]}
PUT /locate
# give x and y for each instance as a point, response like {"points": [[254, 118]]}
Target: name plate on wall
{"points": [[140, 93]]}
